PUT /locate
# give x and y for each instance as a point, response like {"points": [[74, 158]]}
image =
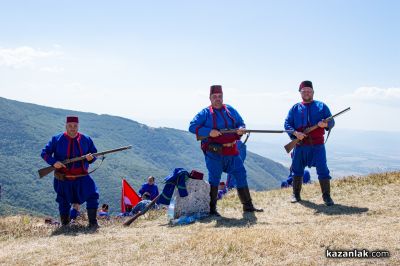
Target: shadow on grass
{"points": [[248, 219], [336, 209], [73, 230]]}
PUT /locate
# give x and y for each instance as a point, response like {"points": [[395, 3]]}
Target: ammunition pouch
{"points": [[58, 175], [215, 148]]}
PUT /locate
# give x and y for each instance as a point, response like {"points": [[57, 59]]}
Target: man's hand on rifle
{"points": [[59, 165], [215, 133], [89, 157], [241, 131], [299, 135], [323, 124]]}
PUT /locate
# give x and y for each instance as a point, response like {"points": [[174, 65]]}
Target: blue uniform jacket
{"points": [[151, 189], [203, 122], [303, 115], [62, 147], [224, 118], [177, 178]]}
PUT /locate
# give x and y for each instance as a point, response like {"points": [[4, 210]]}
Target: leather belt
{"points": [[229, 145], [62, 177], [73, 177]]}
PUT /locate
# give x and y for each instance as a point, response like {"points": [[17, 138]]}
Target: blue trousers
{"points": [[230, 180], [311, 156], [80, 190], [230, 164]]}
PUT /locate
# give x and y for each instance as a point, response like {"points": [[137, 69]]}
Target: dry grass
{"points": [[366, 216]]}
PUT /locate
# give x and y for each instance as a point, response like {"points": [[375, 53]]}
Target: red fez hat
{"points": [[215, 89], [304, 84], [72, 119], [196, 175]]}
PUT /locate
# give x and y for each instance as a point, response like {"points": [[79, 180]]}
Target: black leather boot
{"points": [[64, 218], [297, 182], [92, 216], [213, 201], [326, 191], [245, 199]]}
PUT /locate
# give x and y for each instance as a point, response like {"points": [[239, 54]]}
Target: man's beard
{"points": [[218, 104], [308, 99], [72, 134]]}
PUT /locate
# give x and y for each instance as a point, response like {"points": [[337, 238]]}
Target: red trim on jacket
{"points": [[229, 115], [69, 145], [225, 121], [72, 170], [225, 138], [214, 116], [197, 131], [78, 139]]}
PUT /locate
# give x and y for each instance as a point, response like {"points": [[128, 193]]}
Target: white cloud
{"points": [[23, 56], [375, 94]]}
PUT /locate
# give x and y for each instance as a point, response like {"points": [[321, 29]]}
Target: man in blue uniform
{"points": [[220, 150], [311, 150], [149, 187], [72, 182]]}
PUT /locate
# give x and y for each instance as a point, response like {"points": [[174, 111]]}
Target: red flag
{"points": [[128, 196]]}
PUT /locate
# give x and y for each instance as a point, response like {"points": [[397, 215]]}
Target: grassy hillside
{"points": [[26, 128], [366, 216]]}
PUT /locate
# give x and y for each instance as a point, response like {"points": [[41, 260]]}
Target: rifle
{"points": [[140, 213], [227, 131], [47, 170], [290, 146]]}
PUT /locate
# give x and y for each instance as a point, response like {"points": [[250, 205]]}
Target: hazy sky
{"points": [[153, 61]]}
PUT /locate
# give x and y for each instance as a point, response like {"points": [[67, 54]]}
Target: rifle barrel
{"points": [[83, 157], [47, 170], [113, 150], [268, 131], [341, 112], [255, 131]]}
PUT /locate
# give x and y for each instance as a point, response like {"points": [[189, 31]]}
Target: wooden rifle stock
{"points": [[290, 146], [47, 170], [140, 213]]}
